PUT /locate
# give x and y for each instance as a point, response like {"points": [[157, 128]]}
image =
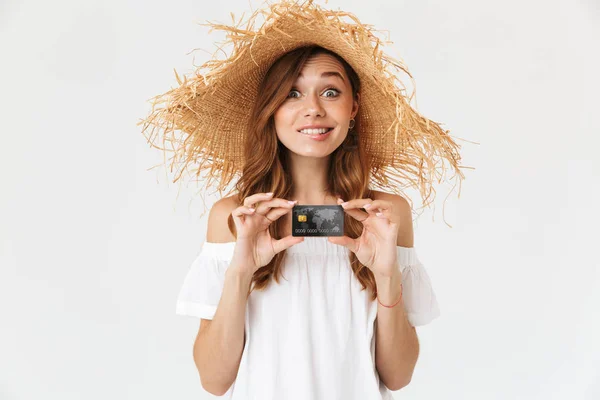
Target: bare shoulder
{"points": [[218, 231], [402, 214], [399, 202]]}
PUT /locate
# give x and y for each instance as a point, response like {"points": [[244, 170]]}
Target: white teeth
{"points": [[315, 131]]}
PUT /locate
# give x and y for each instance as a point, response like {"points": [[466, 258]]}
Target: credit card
{"points": [[317, 220]]}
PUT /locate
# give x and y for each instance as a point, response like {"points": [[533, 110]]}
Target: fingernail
{"points": [[344, 204], [292, 202], [379, 214], [367, 205], [270, 194], [251, 209]]}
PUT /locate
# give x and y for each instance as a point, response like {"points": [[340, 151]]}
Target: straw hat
{"points": [[405, 148]]}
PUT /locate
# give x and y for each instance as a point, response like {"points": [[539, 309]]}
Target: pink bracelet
{"points": [[394, 303]]}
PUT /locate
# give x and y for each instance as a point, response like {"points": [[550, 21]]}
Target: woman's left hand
{"points": [[376, 246]]}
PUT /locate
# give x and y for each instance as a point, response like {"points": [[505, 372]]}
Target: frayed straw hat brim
{"points": [[205, 118]]}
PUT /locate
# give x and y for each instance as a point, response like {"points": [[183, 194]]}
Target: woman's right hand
{"points": [[254, 246]]}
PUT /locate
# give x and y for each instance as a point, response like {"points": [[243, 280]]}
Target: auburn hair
{"points": [[266, 163]]}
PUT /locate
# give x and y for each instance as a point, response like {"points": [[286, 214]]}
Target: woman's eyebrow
{"points": [[328, 74]]}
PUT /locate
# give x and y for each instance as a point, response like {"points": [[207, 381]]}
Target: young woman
{"points": [[286, 317]]}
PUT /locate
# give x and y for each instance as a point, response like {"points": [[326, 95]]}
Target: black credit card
{"points": [[311, 220]]}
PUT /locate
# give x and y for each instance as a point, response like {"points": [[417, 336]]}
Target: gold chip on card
{"points": [[301, 218]]}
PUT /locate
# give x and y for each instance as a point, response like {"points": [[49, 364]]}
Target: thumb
{"points": [[345, 241], [286, 242]]}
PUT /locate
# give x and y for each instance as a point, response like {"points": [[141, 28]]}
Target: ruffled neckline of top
{"points": [[312, 245]]}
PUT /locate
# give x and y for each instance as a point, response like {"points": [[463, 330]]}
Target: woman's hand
{"points": [[376, 246], [254, 246]]}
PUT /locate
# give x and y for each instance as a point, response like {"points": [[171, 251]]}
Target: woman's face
{"points": [[322, 96]]}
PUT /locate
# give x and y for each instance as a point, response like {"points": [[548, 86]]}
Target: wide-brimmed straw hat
{"points": [[205, 119]]}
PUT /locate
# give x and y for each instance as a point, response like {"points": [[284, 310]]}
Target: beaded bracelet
{"points": [[394, 303]]}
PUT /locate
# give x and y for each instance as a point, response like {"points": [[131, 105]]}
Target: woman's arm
{"points": [[397, 343], [219, 345]]}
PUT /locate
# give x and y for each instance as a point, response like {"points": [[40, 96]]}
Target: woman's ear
{"points": [[355, 105]]}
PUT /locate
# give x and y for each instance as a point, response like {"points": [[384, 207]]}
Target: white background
{"points": [[94, 247]]}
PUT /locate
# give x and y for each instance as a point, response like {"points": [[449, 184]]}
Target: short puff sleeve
{"points": [[202, 287], [420, 301]]}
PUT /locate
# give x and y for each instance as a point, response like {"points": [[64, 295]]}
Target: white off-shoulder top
{"points": [[312, 336]]}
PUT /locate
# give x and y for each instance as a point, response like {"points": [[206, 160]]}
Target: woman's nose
{"points": [[313, 105]]}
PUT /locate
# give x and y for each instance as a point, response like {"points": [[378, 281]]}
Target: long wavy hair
{"points": [[266, 162]]}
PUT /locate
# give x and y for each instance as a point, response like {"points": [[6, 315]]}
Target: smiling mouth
{"points": [[314, 134]]}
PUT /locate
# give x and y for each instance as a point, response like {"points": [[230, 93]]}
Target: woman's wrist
{"points": [[389, 289]]}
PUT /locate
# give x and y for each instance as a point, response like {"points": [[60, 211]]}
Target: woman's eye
{"points": [[326, 90], [332, 89]]}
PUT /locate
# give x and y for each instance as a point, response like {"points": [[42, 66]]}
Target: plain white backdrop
{"points": [[94, 246]]}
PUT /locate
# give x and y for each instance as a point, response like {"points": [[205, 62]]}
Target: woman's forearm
{"points": [[218, 350]]}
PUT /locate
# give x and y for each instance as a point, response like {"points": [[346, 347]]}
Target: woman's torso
{"points": [[312, 334]]}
